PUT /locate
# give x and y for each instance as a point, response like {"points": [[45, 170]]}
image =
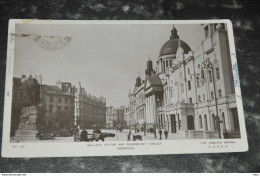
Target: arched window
{"points": [[202, 74], [200, 121], [206, 122], [217, 73]]}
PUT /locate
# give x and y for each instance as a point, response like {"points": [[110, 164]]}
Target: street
{"points": [[119, 136]]}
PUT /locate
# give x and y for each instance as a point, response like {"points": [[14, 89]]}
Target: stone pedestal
{"points": [[25, 134], [27, 125]]}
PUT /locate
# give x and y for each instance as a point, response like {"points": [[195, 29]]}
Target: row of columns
{"points": [[165, 64], [151, 109]]}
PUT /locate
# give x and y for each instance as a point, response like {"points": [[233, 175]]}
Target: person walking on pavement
{"points": [[160, 133], [166, 134], [129, 136]]}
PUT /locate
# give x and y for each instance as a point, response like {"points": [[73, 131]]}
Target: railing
{"points": [[231, 134]]}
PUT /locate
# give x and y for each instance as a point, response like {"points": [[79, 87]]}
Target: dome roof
{"points": [[171, 46]]}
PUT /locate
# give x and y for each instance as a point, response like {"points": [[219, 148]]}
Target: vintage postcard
{"points": [[99, 88]]}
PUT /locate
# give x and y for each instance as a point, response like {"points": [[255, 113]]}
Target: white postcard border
{"points": [[68, 149]]}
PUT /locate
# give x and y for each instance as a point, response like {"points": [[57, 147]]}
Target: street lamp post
{"points": [[208, 65]]}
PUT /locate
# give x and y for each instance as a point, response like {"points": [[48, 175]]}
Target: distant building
{"points": [[115, 116], [135, 113], [21, 84], [59, 102], [90, 110], [111, 117]]}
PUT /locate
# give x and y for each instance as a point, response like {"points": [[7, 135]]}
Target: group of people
{"points": [[83, 135], [165, 133], [154, 131]]}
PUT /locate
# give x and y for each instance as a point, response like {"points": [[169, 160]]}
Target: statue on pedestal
{"points": [[27, 128]]}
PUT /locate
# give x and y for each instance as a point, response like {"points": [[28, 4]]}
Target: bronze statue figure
{"points": [[34, 92]]}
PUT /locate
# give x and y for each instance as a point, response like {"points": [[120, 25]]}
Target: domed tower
{"points": [[168, 51]]}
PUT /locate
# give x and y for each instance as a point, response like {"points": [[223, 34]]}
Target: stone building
{"points": [[90, 111], [136, 110], [199, 97], [57, 100], [191, 92], [114, 117]]}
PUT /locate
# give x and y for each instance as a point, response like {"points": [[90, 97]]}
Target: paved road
{"points": [[119, 136]]}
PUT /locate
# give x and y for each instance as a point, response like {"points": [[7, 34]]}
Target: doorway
{"points": [[190, 120], [173, 123]]}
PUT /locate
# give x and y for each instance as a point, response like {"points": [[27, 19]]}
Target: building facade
{"points": [[56, 100], [136, 112], [191, 92], [90, 111], [200, 96], [59, 101], [115, 117]]}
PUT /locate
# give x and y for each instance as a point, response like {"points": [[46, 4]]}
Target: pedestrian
{"points": [[166, 134], [160, 133], [84, 135], [154, 132]]}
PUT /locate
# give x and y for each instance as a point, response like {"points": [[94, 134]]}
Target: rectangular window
{"points": [[219, 93], [204, 97], [206, 30], [66, 100], [51, 99], [51, 108], [190, 100], [198, 82], [189, 85], [182, 88], [210, 76], [212, 95], [59, 99]]}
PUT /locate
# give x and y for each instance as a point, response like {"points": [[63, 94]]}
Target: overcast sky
{"points": [[105, 57]]}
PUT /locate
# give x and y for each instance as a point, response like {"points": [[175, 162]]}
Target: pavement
{"points": [[119, 136]]}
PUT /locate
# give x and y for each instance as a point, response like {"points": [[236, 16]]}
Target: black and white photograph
{"points": [[99, 83]]}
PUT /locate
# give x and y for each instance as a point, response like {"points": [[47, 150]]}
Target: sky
{"points": [[105, 58]]}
